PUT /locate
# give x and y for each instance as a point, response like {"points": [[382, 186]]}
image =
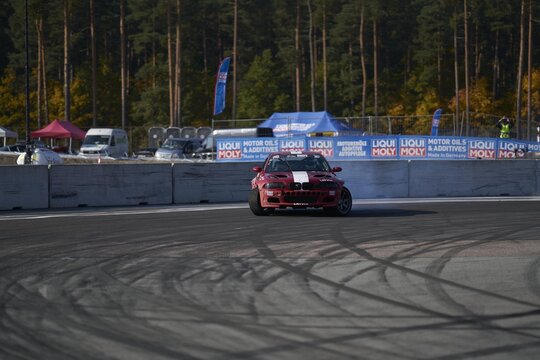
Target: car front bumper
{"points": [[276, 198]]}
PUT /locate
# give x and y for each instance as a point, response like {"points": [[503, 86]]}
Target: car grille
{"points": [[301, 186], [301, 196]]}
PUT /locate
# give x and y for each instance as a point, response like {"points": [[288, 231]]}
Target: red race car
{"points": [[298, 180]]}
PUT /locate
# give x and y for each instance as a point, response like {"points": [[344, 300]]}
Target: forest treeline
{"points": [[142, 63]]}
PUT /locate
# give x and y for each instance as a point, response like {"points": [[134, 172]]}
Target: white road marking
{"points": [[90, 212]]}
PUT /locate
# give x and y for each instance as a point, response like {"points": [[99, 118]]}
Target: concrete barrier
{"points": [[110, 185], [211, 182], [472, 178], [537, 179], [62, 186], [375, 179], [24, 187]]}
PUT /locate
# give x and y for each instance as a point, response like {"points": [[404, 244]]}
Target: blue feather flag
{"points": [[221, 86]]}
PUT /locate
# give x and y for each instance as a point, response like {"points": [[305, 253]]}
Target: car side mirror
{"points": [[336, 169], [256, 169]]}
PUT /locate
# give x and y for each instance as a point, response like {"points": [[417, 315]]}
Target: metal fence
{"points": [[479, 125]]}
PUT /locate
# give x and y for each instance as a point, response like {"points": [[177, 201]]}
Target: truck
{"points": [[105, 142]]}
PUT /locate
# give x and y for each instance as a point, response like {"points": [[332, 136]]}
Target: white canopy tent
{"points": [[5, 133]]}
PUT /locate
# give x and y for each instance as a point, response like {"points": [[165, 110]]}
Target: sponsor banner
{"points": [[374, 148], [482, 148], [446, 148], [533, 146], [506, 149], [412, 147], [384, 147], [325, 146], [258, 148], [292, 144], [352, 148], [245, 149], [229, 150]]}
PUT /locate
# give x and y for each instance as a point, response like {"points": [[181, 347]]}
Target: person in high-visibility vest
{"points": [[504, 126]]}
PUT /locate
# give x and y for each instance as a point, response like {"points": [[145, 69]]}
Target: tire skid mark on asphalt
{"points": [[71, 315], [146, 332], [431, 278], [302, 282], [435, 270], [205, 315], [19, 334], [495, 350], [299, 270], [47, 309], [531, 276], [390, 264]]}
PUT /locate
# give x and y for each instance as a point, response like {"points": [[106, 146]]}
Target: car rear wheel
{"points": [[344, 205], [255, 204]]}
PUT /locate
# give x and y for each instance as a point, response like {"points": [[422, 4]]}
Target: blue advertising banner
{"points": [[446, 148], [375, 147], [352, 148]]}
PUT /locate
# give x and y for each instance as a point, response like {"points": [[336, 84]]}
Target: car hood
{"points": [[300, 176]]}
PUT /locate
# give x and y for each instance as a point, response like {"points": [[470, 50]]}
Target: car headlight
{"points": [[274, 185]]}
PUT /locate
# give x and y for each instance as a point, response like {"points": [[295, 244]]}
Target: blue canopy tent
{"points": [[318, 123]]}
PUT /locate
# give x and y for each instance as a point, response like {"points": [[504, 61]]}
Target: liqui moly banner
{"points": [[292, 144], [374, 148], [506, 149], [245, 149], [412, 148], [325, 146], [384, 147], [482, 149]]}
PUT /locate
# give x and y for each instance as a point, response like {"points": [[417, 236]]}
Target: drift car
{"points": [[298, 180]]}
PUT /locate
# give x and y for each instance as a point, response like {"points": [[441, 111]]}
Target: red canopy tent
{"points": [[60, 130]]}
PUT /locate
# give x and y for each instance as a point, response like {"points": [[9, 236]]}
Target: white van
{"points": [[105, 142]]}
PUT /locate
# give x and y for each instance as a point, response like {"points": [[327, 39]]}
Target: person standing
{"points": [[504, 125]]}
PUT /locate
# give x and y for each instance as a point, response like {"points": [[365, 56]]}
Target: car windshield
{"points": [[173, 144], [301, 162], [96, 140]]}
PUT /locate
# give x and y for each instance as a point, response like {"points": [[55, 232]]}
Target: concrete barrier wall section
{"points": [[64, 186]]}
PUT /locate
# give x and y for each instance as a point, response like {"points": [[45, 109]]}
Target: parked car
{"points": [[148, 152], [207, 150], [299, 180], [20, 146], [177, 148], [105, 142]]}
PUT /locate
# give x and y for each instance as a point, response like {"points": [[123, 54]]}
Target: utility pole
{"points": [[27, 75]]}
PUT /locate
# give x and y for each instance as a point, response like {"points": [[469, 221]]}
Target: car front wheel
{"points": [[344, 205], [255, 204]]}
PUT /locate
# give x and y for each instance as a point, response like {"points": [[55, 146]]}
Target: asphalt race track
{"points": [[394, 280]]}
